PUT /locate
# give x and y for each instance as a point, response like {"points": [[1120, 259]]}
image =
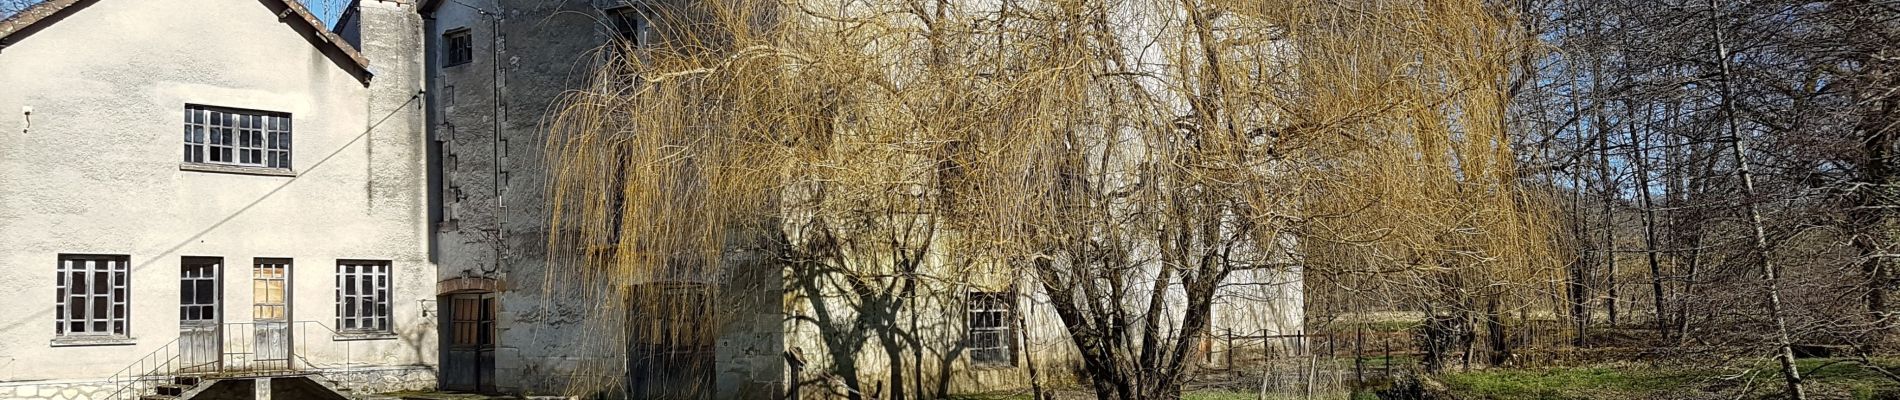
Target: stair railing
{"points": [[243, 349], [146, 374]]}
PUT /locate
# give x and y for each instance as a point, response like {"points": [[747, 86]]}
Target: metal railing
{"points": [[146, 374], [235, 350]]}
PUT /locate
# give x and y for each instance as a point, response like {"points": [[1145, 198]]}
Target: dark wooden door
{"points": [[669, 342], [471, 352], [199, 316]]}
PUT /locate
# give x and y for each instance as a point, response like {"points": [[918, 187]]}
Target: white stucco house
{"points": [[224, 188]]}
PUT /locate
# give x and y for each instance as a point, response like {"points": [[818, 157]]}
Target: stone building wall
{"points": [[489, 120]]}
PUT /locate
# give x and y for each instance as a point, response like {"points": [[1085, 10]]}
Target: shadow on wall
{"points": [[915, 354]]}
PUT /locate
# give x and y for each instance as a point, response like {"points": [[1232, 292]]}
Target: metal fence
{"points": [[238, 349]]}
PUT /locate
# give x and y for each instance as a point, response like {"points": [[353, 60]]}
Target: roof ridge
{"points": [[325, 37]]}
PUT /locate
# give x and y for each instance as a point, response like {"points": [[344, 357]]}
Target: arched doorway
{"points": [[467, 308]]}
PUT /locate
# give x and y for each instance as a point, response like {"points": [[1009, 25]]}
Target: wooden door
{"points": [[270, 314], [471, 352], [199, 316]]}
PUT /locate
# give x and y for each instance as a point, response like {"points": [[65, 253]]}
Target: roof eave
{"points": [[327, 39]]}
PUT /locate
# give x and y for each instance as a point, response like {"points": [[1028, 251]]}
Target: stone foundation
{"points": [[357, 381], [56, 390], [372, 380]]}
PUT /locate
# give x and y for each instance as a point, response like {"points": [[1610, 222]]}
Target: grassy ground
{"points": [[1826, 379]]}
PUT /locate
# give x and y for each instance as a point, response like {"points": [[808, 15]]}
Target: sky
{"points": [[327, 10]]}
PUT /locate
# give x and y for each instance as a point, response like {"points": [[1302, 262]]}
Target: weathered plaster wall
{"points": [[97, 171], [850, 340]]}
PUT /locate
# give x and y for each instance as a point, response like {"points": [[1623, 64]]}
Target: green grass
{"points": [[1835, 380], [1846, 378], [1573, 383]]}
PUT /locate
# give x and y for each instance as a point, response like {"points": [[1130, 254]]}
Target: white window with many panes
{"points": [[92, 295], [235, 137], [991, 316], [362, 296]]}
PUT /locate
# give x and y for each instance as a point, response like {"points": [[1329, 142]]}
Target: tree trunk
{"points": [[1770, 270], [1608, 186], [1639, 158], [1579, 284]]}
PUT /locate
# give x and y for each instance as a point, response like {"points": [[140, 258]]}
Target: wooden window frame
{"points": [[235, 137], [362, 310], [632, 28], [458, 47], [991, 329], [116, 297]]}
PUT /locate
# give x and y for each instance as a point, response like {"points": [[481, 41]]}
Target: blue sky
{"points": [[327, 10]]}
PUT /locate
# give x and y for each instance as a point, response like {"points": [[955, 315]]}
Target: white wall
{"points": [[97, 171]]}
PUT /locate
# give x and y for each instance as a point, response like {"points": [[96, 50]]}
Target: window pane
{"points": [[79, 283], [76, 306], [206, 291]]}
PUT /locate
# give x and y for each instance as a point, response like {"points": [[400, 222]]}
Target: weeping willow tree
{"points": [[1127, 160]]}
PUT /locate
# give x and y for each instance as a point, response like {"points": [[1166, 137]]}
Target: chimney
{"points": [[389, 34]]}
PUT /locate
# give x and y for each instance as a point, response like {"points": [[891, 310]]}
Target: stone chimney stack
{"points": [[389, 33]]}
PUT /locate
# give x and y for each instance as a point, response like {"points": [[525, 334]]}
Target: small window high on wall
{"points": [[458, 47], [631, 27]]}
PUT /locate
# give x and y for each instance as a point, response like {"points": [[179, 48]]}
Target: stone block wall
{"points": [[372, 380], [56, 390]]}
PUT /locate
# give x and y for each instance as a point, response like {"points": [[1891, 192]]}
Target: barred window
{"points": [[92, 295], [457, 47], [990, 334], [226, 136], [362, 296]]}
